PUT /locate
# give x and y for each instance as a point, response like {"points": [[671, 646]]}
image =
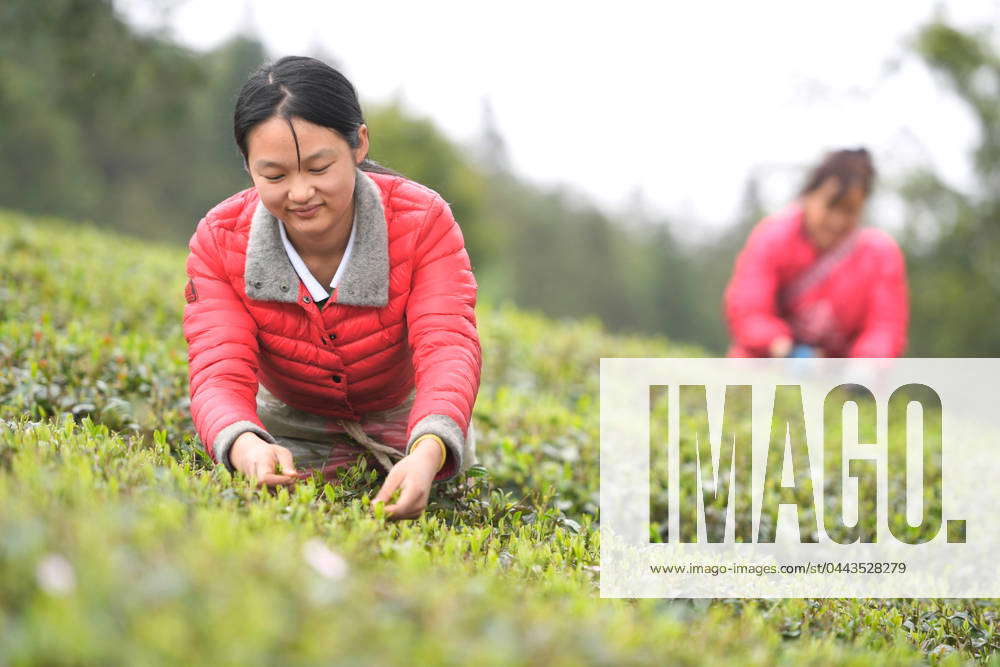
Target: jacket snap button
{"points": [[284, 288], [306, 299], [336, 378], [258, 284]]}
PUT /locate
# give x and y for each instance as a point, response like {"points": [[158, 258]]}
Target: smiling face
{"points": [[310, 189], [827, 222]]}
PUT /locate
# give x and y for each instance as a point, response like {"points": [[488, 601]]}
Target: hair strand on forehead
{"points": [[295, 138]]}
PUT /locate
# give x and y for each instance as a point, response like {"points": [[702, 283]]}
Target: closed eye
{"points": [[320, 170]]}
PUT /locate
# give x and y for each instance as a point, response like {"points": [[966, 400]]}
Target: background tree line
{"points": [[101, 122]]}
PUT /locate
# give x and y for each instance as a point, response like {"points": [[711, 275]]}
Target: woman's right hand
{"points": [[781, 347], [258, 459]]}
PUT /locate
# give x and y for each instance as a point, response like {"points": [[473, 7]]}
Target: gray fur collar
{"points": [[365, 282]]}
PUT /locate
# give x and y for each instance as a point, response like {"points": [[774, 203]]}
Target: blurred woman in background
{"points": [[811, 281]]}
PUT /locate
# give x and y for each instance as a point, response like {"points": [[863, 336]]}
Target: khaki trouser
{"points": [[327, 443]]}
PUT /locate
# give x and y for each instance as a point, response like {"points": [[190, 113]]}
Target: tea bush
{"points": [[120, 542]]}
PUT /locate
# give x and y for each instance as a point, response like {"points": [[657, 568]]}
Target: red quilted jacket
{"points": [[859, 309], [401, 316]]}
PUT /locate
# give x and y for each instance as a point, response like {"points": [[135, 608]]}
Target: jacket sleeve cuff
{"points": [[224, 440], [445, 428], [758, 333]]}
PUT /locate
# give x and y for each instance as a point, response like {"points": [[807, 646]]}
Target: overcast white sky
{"points": [[681, 100]]}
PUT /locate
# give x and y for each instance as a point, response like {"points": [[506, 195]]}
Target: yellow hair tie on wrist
{"points": [[431, 436]]}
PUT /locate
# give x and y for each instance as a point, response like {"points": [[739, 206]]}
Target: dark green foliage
{"points": [[105, 124], [953, 238]]}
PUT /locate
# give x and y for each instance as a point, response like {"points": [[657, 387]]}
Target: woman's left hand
{"points": [[412, 474]]}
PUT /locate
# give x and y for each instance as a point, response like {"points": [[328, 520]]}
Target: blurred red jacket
{"points": [[858, 308], [401, 316]]}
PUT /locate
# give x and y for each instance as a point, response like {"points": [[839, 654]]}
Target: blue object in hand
{"points": [[801, 351]]}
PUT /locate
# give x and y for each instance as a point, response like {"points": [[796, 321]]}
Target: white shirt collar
{"points": [[316, 290]]}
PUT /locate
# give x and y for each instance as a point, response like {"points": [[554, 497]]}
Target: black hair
{"points": [[306, 88], [849, 167]]}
